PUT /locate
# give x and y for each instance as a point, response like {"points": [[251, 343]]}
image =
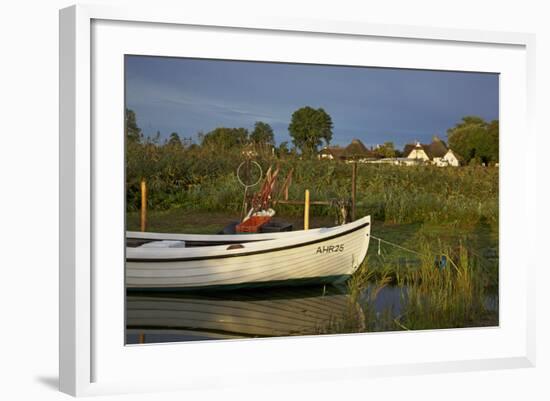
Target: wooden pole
{"points": [[141, 338], [288, 184], [245, 205], [143, 216], [353, 190], [286, 192], [306, 211]]}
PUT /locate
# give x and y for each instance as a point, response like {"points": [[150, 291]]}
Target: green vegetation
{"points": [[453, 297], [456, 296], [262, 134], [387, 149], [202, 178], [429, 211], [193, 180], [225, 138], [308, 128], [475, 140]]}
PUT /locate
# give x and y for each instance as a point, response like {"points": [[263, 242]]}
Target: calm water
{"points": [[173, 317]]}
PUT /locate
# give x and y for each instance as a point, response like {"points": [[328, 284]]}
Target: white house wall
{"points": [[450, 159], [418, 154]]}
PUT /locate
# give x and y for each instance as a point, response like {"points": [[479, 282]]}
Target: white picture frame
{"points": [[88, 348]]}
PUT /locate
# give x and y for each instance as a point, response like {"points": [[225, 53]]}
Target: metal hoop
{"points": [[239, 178]]}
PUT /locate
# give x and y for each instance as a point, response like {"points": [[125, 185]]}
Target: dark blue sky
{"points": [[372, 104]]}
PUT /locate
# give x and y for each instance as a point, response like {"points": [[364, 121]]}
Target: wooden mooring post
{"points": [[143, 214], [306, 210], [353, 190], [307, 202]]}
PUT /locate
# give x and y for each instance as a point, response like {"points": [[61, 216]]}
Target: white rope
{"points": [[479, 257], [393, 244]]}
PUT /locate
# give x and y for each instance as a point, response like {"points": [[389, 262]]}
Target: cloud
{"points": [[188, 96], [147, 94]]}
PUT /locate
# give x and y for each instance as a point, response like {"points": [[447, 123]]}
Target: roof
{"points": [[410, 147], [336, 151], [437, 148], [459, 157], [357, 149]]}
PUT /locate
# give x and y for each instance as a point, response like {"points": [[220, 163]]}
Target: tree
{"points": [[225, 138], [283, 149], [309, 127], [262, 134], [133, 132], [493, 130], [475, 140], [174, 140], [386, 150]]}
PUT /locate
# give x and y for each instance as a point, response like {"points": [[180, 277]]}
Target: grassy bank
{"points": [[391, 194], [459, 295]]}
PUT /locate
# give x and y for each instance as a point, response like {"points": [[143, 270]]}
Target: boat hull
{"points": [[291, 282], [319, 257]]}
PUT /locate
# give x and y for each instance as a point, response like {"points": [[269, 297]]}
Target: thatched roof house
{"points": [[332, 153], [436, 153], [355, 151]]}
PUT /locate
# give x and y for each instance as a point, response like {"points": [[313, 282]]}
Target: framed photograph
{"points": [[273, 199]]}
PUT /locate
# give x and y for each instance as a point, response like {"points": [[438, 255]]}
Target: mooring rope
{"points": [[380, 240], [395, 245], [412, 251]]}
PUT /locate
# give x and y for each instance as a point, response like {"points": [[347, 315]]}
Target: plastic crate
{"points": [[252, 225]]}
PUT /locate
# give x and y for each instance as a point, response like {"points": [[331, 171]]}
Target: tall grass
{"points": [[455, 296], [361, 314], [431, 297], [199, 181]]}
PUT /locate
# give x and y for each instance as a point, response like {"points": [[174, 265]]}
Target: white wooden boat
{"points": [[249, 313], [137, 238], [318, 255]]}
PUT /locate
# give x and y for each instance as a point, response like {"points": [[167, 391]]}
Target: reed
{"points": [[452, 297], [455, 296], [361, 314], [196, 180]]}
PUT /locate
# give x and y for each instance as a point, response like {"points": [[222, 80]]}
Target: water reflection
{"points": [[168, 317]]}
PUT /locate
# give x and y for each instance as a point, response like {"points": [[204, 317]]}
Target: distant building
{"points": [[332, 153], [435, 153], [356, 151]]}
